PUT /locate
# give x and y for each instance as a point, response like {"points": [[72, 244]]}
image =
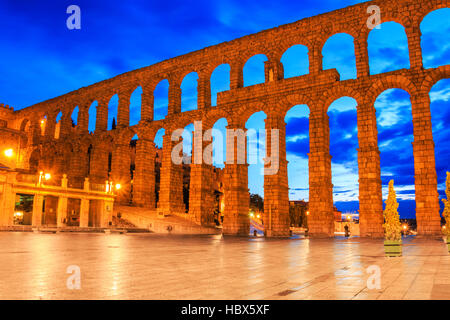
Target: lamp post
{"points": [[44, 176], [405, 228]]}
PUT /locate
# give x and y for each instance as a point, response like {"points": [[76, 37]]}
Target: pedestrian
{"points": [[347, 231]]}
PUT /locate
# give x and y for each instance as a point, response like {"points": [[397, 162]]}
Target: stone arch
{"points": [[25, 125], [389, 82], [286, 43], [330, 29], [284, 104], [388, 15], [126, 134], [427, 8], [215, 114], [338, 92], [247, 110], [433, 77]]}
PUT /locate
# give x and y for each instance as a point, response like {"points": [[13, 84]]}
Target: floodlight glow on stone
{"points": [[9, 153]]}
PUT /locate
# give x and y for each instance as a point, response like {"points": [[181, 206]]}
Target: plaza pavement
{"points": [[153, 266]]}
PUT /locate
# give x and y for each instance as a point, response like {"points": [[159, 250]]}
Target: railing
{"points": [[76, 183], [97, 187]]}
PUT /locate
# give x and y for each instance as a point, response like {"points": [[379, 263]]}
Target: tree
{"points": [[446, 213], [392, 225], [113, 126], [256, 202]]}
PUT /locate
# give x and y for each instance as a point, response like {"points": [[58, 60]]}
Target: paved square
{"points": [[152, 266]]}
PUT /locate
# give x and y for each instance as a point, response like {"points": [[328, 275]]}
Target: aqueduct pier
{"points": [[81, 154]]}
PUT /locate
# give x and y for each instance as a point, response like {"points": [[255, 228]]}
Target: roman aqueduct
{"points": [[81, 154]]}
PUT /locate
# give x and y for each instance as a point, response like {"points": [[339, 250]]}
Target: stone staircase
{"points": [[144, 218]]}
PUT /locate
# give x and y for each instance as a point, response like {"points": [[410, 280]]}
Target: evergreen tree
{"points": [[113, 126], [446, 213], [392, 225]]}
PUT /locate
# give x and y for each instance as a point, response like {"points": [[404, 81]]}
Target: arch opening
{"points": [[220, 81], [92, 117], [219, 137], [295, 61], [58, 125], [342, 117], [161, 100], [388, 48], [435, 28], [254, 70], [440, 117], [395, 137], [74, 116], [256, 151], [339, 52], [113, 107], [135, 106], [158, 140], [297, 149], [189, 94]]}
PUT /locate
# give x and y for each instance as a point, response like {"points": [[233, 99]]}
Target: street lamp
{"points": [[45, 176], [405, 228], [9, 153], [118, 186]]}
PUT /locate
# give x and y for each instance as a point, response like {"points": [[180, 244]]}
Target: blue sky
{"points": [[40, 59]]}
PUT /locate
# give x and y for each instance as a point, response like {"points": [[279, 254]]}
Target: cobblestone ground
{"points": [[150, 266]]}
